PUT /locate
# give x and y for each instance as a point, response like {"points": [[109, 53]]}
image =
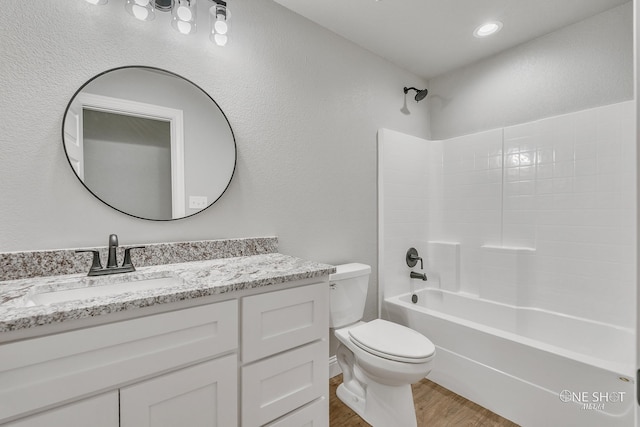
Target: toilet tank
{"points": [[349, 285]]}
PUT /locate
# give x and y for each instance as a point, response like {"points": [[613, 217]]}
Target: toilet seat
{"points": [[392, 341]]}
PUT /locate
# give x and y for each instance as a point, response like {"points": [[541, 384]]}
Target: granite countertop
{"points": [[193, 280]]}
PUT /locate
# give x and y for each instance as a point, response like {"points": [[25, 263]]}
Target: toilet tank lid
{"points": [[347, 271]]}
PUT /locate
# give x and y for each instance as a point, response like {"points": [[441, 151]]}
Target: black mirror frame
{"points": [[235, 146]]}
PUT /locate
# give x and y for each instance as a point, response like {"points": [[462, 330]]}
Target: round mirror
{"points": [[149, 143]]}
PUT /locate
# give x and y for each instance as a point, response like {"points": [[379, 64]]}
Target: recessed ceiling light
{"points": [[487, 29]]}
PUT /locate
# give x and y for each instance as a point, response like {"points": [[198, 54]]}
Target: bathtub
{"points": [[532, 366]]}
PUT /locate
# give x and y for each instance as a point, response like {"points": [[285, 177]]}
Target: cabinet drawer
{"points": [[40, 372], [98, 411], [201, 395], [281, 320], [315, 414], [276, 386]]}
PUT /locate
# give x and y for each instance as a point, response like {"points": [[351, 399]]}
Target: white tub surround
{"points": [[185, 352], [543, 212], [528, 236]]}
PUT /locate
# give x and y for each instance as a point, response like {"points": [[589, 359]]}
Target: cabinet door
{"points": [[98, 411], [204, 395]]}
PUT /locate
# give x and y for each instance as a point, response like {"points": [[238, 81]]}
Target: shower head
{"points": [[420, 93]]}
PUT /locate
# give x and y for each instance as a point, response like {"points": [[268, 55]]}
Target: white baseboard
{"points": [[334, 368]]}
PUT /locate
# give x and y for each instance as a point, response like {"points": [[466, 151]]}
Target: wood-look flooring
{"points": [[435, 407]]}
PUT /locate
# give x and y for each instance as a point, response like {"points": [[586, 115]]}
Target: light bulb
{"points": [[221, 27], [140, 12], [184, 27], [220, 39], [184, 13]]}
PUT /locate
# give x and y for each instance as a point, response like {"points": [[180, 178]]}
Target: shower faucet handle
{"points": [[412, 258]]}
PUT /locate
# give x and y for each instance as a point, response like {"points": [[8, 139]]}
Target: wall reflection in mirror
{"points": [[149, 143]]}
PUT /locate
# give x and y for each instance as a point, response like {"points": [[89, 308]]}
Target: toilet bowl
{"points": [[379, 359]]}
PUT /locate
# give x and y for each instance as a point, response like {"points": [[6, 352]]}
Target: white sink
{"points": [[87, 292]]}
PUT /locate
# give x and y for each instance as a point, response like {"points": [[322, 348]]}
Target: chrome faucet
{"points": [[112, 262]]}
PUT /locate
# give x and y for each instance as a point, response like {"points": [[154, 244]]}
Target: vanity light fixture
{"points": [[184, 15], [218, 18], [487, 29]]}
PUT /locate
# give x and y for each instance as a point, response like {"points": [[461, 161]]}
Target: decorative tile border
{"points": [[22, 265]]}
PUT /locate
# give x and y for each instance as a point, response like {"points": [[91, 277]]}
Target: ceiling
{"points": [[431, 37]]}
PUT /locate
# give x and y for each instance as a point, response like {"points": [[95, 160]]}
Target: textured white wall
{"points": [[581, 66], [305, 106]]}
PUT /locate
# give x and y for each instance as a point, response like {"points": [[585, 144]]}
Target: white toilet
{"points": [[379, 359]]}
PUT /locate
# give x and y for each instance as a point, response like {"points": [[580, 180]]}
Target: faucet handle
{"points": [[95, 264], [127, 256], [412, 258]]}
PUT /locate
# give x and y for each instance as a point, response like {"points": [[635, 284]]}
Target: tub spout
{"points": [[415, 275]]}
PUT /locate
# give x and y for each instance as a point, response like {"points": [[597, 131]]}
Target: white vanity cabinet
{"points": [[254, 360], [157, 350]]}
